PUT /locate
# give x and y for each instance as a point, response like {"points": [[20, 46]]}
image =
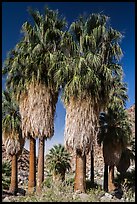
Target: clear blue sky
{"points": [[122, 18]]}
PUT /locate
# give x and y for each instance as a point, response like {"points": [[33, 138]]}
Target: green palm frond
{"points": [[11, 119], [115, 126], [96, 20], [58, 159], [94, 68], [37, 54]]}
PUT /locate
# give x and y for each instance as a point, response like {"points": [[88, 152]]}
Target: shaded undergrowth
{"points": [[64, 191]]}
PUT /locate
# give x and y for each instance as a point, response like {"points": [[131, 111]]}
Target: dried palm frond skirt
{"points": [[124, 162], [80, 123], [112, 153], [13, 142], [37, 110]]}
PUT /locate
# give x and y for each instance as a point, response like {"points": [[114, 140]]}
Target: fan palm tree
{"points": [[115, 134], [32, 81], [12, 135], [58, 162], [86, 83], [14, 66]]}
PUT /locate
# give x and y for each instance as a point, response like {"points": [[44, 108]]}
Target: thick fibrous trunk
{"points": [[112, 152], [32, 166], [37, 110], [92, 166], [40, 177], [80, 174], [80, 123], [111, 185], [14, 176], [105, 184], [124, 162]]}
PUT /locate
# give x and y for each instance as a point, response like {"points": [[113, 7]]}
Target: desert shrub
{"points": [[90, 185], [6, 173], [127, 180], [129, 196], [47, 182], [70, 181]]}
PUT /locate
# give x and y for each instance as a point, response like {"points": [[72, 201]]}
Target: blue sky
{"points": [[122, 18]]}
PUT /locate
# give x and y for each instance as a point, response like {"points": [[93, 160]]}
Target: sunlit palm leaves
{"points": [[34, 61], [38, 50], [115, 126], [58, 159], [93, 65]]}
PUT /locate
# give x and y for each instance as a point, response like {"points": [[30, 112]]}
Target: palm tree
{"points": [[12, 135], [32, 81], [86, 83], [58, 162], [115, 133], [14, 66]]}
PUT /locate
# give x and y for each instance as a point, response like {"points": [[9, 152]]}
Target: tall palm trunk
{"points": [[14, 176], [32, 166], [111, 185], [80, 174], [92, 166], [105, 185], [40, 177]]}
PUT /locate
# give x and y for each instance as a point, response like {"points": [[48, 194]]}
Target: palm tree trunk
{"points": [[40, 164], [63, 175], [80, 174], [111, 185], [105, 185], [32, 166], [14, 176], [92, 166]]}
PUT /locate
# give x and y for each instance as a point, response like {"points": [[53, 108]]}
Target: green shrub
{"points": [[70, 181], [127, 180], [47, 182], [90, 185], [6, 174]]}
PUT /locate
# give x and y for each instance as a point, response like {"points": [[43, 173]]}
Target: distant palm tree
{"points": [[32, 79], [12, 135], [58, 162], [86, 83]]}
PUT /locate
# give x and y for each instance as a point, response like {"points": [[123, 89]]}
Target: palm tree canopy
{"points": [[91, 72], [58, 159], [37, 52], [115, 126], [11, 125], [114, 133], [92, 64], [30, 68]]}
